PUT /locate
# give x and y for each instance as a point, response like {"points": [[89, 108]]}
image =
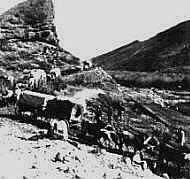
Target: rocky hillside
{"points": [[163, 57], [171, 78], [94, 78], [167, 49], [28, 38]]}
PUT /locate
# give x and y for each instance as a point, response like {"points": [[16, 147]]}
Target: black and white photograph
{"points": [[94, 89]]}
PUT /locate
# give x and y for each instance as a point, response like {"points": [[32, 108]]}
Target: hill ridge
{"points": [[169, 48]]}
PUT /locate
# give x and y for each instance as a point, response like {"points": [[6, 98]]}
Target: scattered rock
{"points": [[66, 170], [34, 167], [77, 177], [77, 159], [58, 157]]}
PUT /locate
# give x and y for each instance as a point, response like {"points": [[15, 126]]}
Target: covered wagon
{"points": [[29, 101], [57, 112]]}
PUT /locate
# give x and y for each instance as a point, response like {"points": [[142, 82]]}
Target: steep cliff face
{"points": [[28, 38]]}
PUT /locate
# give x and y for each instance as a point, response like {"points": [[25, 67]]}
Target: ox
{"points": [[120, 140], [62, 112], [174, 155], [108, 137], [129, 139]]}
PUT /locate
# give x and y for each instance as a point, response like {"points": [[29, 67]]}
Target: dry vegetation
{"points": [[95, 78], [173, 78]]}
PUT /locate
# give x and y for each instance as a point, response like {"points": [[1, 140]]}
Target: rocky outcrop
{"points": [[94, 78], [28, 38]]}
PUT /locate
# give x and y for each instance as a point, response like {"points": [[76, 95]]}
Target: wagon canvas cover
{"points": [[34, 99]]}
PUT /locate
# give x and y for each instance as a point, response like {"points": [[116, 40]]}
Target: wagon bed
{"points": [[34, 99]]}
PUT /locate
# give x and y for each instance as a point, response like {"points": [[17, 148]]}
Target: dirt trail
{"points": [[22, 158]]}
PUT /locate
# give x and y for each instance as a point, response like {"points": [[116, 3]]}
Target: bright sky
{"points": [[88, 28]]}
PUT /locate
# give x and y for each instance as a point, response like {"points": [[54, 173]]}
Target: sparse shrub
{"points": [[93, 78]]}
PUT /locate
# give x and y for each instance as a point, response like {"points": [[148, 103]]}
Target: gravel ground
{"points": [[26, 159]]}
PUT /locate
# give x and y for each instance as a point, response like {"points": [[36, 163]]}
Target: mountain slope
{"points": [[28, 38], [165, 50]]}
